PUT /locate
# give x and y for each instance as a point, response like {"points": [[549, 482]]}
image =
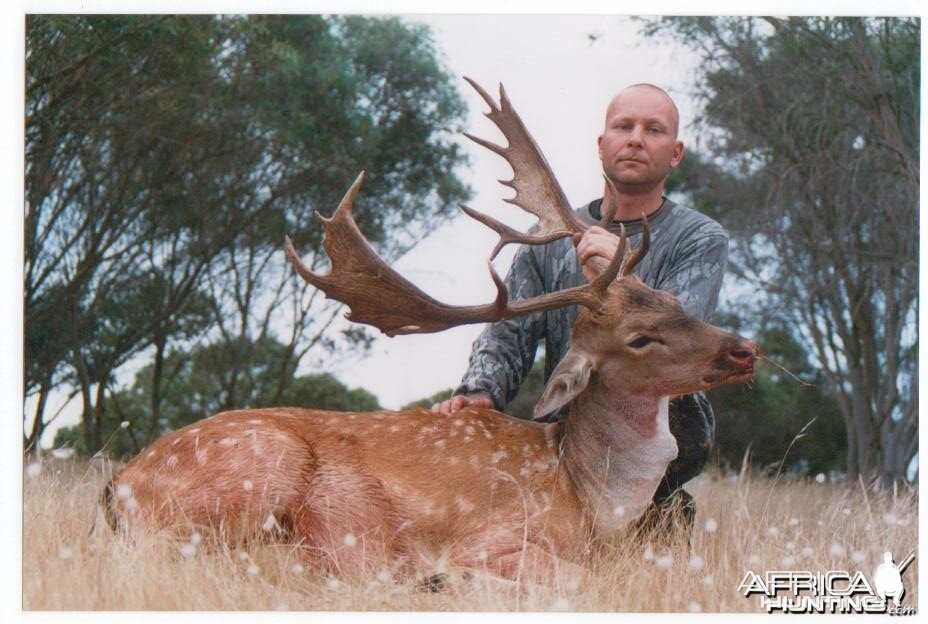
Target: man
{"points": [[638, 149]]}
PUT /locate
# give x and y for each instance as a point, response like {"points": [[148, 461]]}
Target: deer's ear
{"points": [[567, 381]]}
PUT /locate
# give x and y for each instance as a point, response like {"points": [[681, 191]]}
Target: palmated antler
{"points": [[537, 190], [379, 296]]}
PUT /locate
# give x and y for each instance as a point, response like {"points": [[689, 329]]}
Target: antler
{"points": [[537, 190], [379, 296]]}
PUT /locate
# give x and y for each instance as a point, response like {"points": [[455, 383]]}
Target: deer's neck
{"points": [[615, 449]]}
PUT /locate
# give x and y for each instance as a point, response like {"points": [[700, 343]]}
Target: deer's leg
{"points": [[347, 519], [536, 564], [526, 561]]}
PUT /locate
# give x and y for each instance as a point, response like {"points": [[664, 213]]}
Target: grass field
{"points": [[742, 523]]}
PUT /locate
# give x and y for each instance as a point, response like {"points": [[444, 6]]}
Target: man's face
{"points": [[639, 145]]}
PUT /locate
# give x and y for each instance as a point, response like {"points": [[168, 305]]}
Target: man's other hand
{"points": [[595, 249], [461, 401]]}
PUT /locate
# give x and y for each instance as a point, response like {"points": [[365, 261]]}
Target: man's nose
{"points": [[636, 136]]}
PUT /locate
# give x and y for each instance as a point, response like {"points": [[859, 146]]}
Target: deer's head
{"points": [[643, 340]]}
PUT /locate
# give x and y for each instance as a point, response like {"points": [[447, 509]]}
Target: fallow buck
{"points": [[477, 489]]}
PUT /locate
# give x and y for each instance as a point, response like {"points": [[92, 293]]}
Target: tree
{"points": [[810, 157], [192, 388], [764, 418], [167, 156]]}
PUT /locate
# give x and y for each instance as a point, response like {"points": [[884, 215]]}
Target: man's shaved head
{"points": [[646, 85]]}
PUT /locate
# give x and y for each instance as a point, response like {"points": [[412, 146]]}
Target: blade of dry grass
{"points": [[808, 525]]}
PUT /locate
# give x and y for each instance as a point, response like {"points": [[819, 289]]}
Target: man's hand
{"points": [[595, 249], [461, 401]]}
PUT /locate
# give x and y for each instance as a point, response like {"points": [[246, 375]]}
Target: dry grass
{"points": [[742, 524]]}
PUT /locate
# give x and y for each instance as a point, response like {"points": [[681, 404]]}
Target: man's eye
{"points": [[640, 342]]}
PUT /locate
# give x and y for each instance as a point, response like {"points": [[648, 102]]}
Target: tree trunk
{"points": [[156, 380], [98, 411], [34, 439]]}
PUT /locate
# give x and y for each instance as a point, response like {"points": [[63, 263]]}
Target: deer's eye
{"points": [[640, 342]]}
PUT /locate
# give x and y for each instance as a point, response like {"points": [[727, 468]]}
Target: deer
{"points": [[410, 490]]}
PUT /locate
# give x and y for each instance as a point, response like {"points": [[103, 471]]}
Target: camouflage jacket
{"points": [[687, 258]]}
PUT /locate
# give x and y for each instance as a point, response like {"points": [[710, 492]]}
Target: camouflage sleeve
{"points": [[504, 352], [695, 276]]}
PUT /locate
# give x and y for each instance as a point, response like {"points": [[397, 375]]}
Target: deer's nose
{"points": [[743, 354]]}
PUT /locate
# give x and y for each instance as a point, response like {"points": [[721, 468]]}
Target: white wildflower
{"points": [[248, 485], [648, 553], [694, 607], [297, 568], [708, 580], [253, 570], [188, 550], [807, 551], [349, 540], [820, 478], [711, 525], [65, 552], [753, 559], [196, 538], [124, 424], [63, 453], [793, 522], [124, 491], [664, 562], [270, 524], [788, 561], [773, 531], [696, 562], [33, 470], [857, 556], [836, 549]]}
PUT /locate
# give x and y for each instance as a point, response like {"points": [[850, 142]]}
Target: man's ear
{"points": [[567, 381]]}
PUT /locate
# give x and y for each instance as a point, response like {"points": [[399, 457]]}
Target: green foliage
{"points": [[167, 156], [763, 417], [429, 401], [324, 391], [809, 156], [194, 388]]}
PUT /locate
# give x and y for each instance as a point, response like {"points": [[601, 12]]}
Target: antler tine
{"points": [[601, 284], [536, 190], [635, 257], [609, 214], [507, 234], [379, 296]]}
